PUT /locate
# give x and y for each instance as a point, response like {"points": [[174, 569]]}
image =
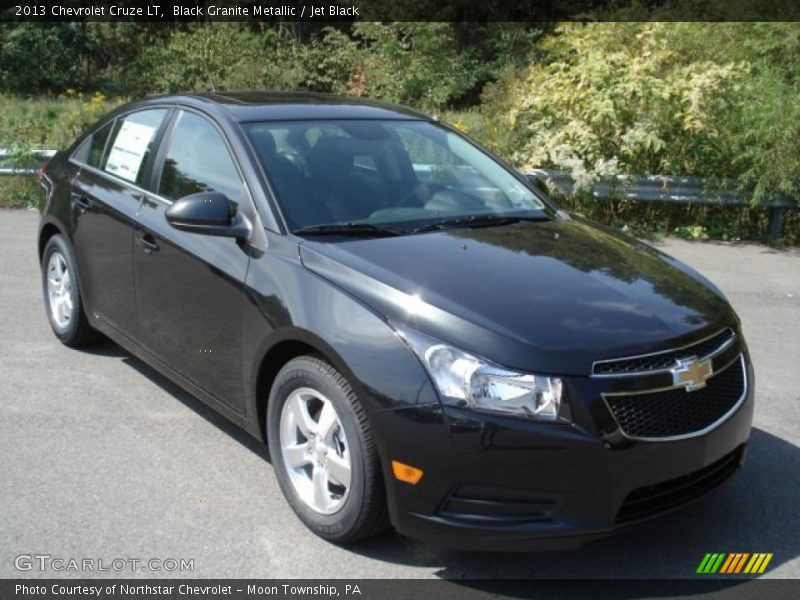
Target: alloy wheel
{"points": [[315, 451], [59, 290]]}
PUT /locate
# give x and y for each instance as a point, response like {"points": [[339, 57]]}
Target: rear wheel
{"points": [[62, 296], [323, 452]]}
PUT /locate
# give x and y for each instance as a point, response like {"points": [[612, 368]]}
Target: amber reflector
{"points": [[406, 473]]}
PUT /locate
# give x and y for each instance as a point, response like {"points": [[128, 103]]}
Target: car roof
{"points": [[290, 106]]}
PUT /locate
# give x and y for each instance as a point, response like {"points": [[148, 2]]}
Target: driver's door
{"points": [[189, 286]]}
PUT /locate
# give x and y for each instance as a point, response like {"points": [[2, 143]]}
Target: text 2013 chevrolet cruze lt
{"points": [[421, 336]]}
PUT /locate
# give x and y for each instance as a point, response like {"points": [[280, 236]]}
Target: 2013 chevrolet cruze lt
{"points": [[421, 336]]}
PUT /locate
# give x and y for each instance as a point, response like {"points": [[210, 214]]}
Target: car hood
{"points": [[548, 296]]}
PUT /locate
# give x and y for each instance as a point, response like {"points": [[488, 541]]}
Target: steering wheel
{"points": [[419, 195]]}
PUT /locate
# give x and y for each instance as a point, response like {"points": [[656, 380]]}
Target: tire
{"points": [[62, 297], [338, 513]]}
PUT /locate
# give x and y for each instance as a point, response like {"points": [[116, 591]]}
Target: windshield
{"points": [[405, 174]]}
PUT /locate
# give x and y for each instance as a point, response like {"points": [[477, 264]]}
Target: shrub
{"points": [[221, 56], [413, 63], [706, 99]]}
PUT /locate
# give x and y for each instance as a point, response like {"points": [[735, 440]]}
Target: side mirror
{"points": [[210, 213]]}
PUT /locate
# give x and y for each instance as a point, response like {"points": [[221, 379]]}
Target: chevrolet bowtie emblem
{"points": [[692, 373]]}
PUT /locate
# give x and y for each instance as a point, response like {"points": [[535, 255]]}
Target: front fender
{"points": [[288, 303]]}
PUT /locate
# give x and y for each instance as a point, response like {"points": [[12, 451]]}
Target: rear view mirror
{"points": [[210, 213]]}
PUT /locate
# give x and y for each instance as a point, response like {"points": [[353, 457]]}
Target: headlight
{"points": [[471, 382]]}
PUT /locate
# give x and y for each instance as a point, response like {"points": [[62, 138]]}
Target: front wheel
{"points": [[323, 452]]}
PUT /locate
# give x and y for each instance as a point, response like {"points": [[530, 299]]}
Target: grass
{"points": [[19, 192], [31, 123], [41, 123]]}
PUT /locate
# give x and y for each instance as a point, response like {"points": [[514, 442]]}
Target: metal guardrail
{"points": [[28, 170], [668, 189]]}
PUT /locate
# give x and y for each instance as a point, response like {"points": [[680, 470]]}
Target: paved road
{"points": [[103, 458]]}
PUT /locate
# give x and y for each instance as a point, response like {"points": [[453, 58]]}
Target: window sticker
{"points": [[128, 151]]}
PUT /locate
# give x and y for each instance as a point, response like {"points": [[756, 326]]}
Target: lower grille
{"points": [[676, 412], [660, 497], [477, 504]]}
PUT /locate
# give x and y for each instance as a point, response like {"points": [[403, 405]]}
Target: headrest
{"points": [[331, 157]]}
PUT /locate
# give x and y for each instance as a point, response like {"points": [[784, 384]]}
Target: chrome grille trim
{"points": [[736, 406], [719, 350]]}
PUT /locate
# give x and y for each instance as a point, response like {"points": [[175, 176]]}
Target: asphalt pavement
{"points": [[102, 458]]}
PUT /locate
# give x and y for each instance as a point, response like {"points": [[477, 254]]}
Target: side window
{"points": [[423, 152], [365, 162], [198, 161], [98, 145], [131, 143], [90, 151], [435, 162]]}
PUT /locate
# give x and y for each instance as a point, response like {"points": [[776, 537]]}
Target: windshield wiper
{"points": [[487, 220], [354, 229]]}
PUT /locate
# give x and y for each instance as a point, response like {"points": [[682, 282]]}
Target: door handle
{"points": [[148, 244], [80, 201]]}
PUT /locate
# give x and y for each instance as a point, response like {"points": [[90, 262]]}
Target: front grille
{"points": [[676, 412], [646, 501], [661, 360]]}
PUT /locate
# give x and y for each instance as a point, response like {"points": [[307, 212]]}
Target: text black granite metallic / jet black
{"points": [[423, 338]]}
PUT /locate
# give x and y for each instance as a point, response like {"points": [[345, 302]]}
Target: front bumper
{"points": [[496, 483]]}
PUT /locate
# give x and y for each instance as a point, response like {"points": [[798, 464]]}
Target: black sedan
{"points": [[422, 337]]}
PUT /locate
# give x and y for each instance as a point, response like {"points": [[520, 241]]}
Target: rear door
{"points": [[189, 286], [106, 194]]}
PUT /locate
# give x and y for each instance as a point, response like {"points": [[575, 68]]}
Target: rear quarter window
{"points": [[92, 149]]}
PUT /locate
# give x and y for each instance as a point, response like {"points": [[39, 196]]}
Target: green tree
{"points": [[221, 56], [414, 63], [37, 58]]}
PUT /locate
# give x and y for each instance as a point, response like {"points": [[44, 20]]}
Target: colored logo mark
{"points": [[734, 562]]}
